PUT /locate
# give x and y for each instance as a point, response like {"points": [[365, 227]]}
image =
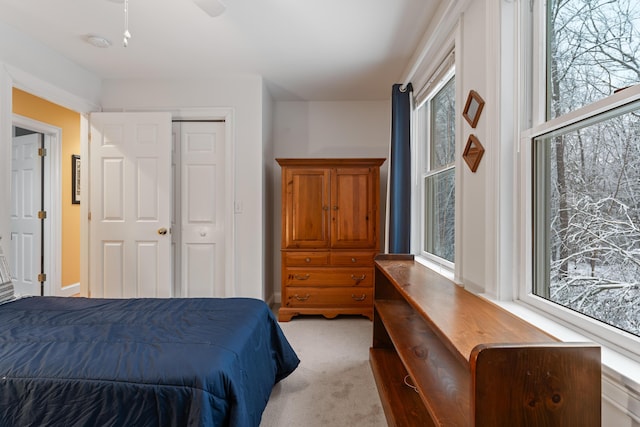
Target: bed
{"points": [[138, 362]]}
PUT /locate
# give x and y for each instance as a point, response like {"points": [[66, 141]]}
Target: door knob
{"points": [[162, 231]]}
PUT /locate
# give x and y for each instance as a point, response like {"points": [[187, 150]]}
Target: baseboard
{"points": [[69, 290], [270, 301], [621, 403]]}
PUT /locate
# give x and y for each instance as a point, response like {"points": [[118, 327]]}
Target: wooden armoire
{"points": [[330, 228]]}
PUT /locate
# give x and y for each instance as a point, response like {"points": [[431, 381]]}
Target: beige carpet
{"points": [[333, 386]]}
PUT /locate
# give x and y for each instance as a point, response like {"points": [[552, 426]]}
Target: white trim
{"points": [[52, 204], [433, 39], [84, 207], [69, 290], [459, 162], [492, 136], [618, 391], [538, 46], [436, 86], [5, 152], [614, 101], [35, 86], [439, 71], [439, 267]]}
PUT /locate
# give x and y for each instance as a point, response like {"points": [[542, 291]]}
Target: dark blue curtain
{"points": [[400, 171]]}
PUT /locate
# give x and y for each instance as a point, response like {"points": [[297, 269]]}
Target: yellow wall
{"points": [[44, 111]]}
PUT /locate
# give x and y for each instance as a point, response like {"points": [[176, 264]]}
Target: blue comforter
{"points": [[139, 362]]}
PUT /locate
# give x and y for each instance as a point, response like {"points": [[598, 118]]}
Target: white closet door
{"points": [[202, 208], [130, 200], [25, 204]]}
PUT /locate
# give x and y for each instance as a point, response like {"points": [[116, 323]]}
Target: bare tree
{"points": [[595, 170]]}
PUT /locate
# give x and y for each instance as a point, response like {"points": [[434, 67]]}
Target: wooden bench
{"points": [[444, 356]]}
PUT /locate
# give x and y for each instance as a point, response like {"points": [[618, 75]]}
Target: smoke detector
{"points": [[212, 7], [98, 41]]}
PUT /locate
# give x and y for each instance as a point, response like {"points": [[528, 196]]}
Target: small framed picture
{"points": [[473, 152], [75, 179], [473, 108]]}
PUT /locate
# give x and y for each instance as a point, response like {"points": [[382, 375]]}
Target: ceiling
{"points": [[317, 50]]}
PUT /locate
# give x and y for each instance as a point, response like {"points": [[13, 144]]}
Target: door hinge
{"points": [[42, 214], [42, 277], [89, 216], [42, 152]]}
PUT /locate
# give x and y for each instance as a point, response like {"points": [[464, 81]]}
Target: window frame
{"points": [[623, 342], [422, 133]]}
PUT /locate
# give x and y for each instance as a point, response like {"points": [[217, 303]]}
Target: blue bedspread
{"points": [[139, 362]]}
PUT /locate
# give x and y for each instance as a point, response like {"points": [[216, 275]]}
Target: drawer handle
{"points": [[354, 260], [307, 260], [304, 298], [301, 276], [358, 279], [355, 298]]}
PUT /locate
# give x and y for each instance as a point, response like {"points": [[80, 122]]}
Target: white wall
{"points": [[327, 129], [472, 252], [31, 66], [39, 70]]}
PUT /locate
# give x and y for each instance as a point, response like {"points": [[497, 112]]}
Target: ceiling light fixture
{"points": [[212, 7], [98, 41], [127, 34]]}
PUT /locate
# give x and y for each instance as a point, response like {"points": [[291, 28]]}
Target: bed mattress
{"points": [[139, 362]]}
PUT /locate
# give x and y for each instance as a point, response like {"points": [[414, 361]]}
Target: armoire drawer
{"points": [[352, 258], [357, 276], [306, 258], [323, 297]]}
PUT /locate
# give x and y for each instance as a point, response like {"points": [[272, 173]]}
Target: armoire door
{"points": [[306, 208], [130, 199], [353, 204]]}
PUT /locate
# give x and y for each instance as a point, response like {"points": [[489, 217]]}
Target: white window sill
{"points": [[437, 267]]}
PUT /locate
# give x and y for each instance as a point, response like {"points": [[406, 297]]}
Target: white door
{"points": [[26, 232], [202, 213], [130, 199]]}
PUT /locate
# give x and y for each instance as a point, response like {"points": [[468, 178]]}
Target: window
{"points": [[593, 49], [436, 144], [585, 169], [587, 217]]}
